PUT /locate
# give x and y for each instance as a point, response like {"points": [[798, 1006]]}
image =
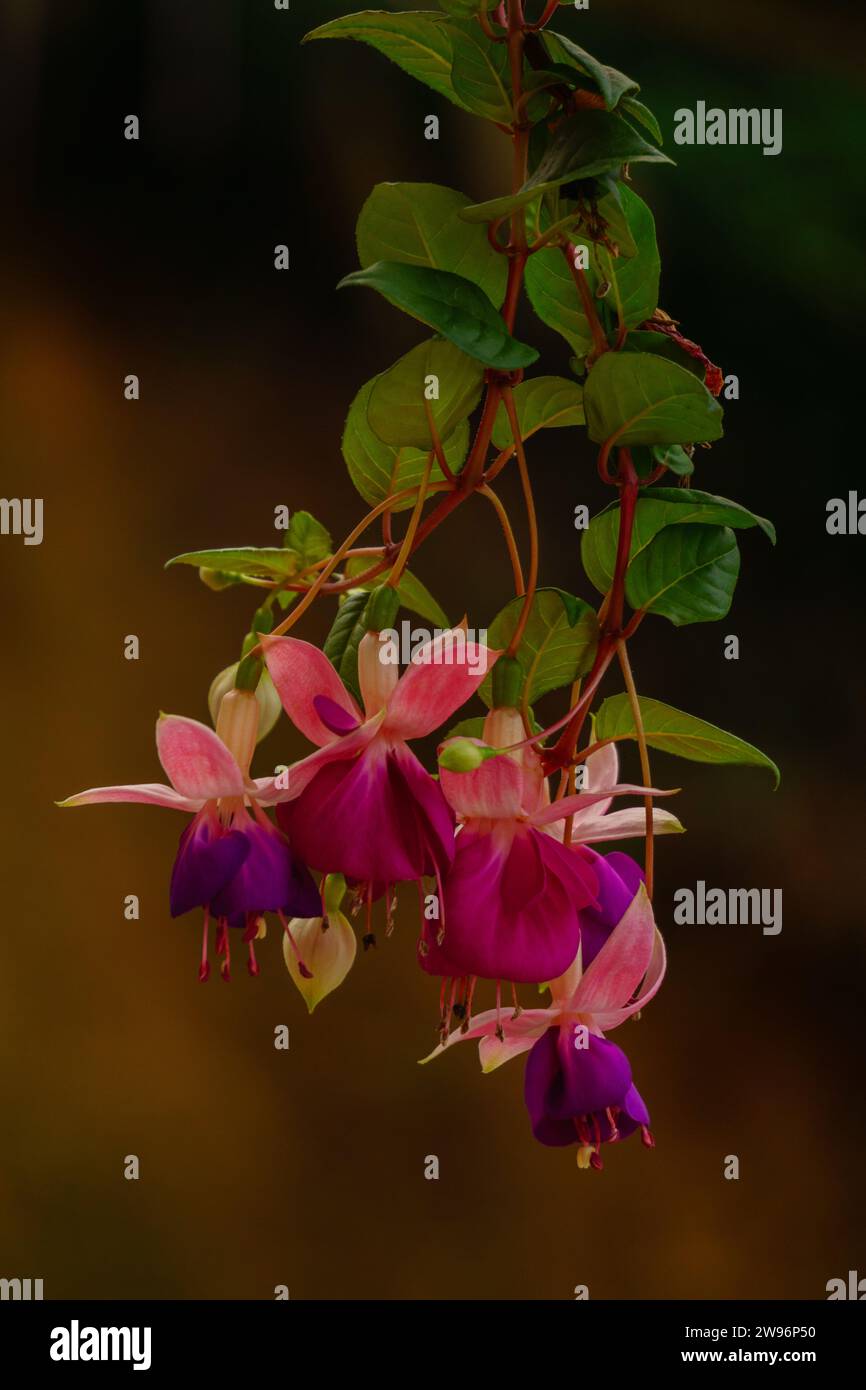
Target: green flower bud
{"points": [[382, 609], [268, 699], [462, 755]]}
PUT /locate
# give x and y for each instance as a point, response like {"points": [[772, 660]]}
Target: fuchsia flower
{"points": [[363, 805], [578, 1085], [231, 860], [515, 896]]}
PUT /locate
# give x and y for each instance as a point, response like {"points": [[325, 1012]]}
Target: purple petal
{"points": [[564, 1083], [619, 877], [208, 858], [333, 716], [267, 880]]}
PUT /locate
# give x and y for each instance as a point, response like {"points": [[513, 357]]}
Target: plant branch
{"points": [[625, 665], [508, 533]]}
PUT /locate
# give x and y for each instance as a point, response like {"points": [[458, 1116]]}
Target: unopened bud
{"points": [[463, 755], [266, 695]]}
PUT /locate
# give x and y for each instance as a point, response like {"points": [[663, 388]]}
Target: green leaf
{"points": [[342, 642], [378, 469], [420, 224], [662, 346], [636, 111], [612, 84], [611, 212], [413, 595], [657, 509], [464, 8], [397, 407], [672, 731], [467, 728], [421, 43], [647, 457], [554, 295], [450, 305], [308, 538], [250, 561], [542, 402], [584, 145], [637, 276], [639, 398], [686, 574], [481, 74], [558, 643]]}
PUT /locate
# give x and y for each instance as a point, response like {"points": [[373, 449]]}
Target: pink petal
{"points": [[612, 1018], [300, 672], [602, 770], [521, 1034], [613, 976], [484, 1026], [198, 763], [443, 674], [592, 828], [493, 790], [300, 774], [573, 805], [150, 793]]}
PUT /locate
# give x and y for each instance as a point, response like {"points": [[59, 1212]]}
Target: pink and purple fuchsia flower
{"points": [[578, 1085], [363, 805], [518, 901], [231, 861]]}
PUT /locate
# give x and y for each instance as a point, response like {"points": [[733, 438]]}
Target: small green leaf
{"points": [[672, 731], [420, 224], [584, 145], [663, 346], [612, 84], [542, 402], [554, 295], [468, 728], [413, 595], [658, 508], [558, 643], [421, 43], [481, 74], [378, 469], [636, 111], [398, 402], [639, 398], [308, 538], [266, 562], [647, 457], [450, 305], [342, 642], [686, 574], [463, 9]]}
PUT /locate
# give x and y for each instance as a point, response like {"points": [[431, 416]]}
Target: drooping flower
{"points": [[231, 860], [363, 805], [515, 896], [578, 1084]]}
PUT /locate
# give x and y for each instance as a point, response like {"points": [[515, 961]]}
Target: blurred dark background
{"points": [[305, 1167]]}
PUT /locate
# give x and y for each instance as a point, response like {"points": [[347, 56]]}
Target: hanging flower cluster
{"points": [[500, 838]]}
